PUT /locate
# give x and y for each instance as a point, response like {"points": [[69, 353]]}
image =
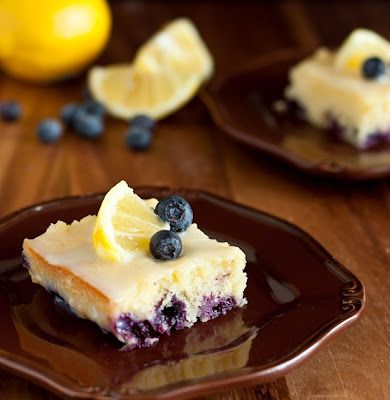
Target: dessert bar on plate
{"points": [[347, 90], [135, 279]]}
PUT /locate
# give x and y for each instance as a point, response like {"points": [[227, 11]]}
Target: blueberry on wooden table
{"points": [[88, 125], [49, 130], [68, 113], [142, 121], [94, 107], [10, 111], [138, 138]]}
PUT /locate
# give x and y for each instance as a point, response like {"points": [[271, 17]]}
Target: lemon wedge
{"points": [[167, 72], [358, 46], [124, 225]]}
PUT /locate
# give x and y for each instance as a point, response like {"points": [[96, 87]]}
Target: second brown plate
{"points": [[298, 297], [241, 105]]}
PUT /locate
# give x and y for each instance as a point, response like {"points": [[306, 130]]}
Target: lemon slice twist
{"points": [[124, 225]]}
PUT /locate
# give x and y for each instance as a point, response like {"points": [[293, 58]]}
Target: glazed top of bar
{"points": [[70, 247], [323, 61]]}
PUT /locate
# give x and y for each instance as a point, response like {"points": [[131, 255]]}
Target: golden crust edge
{"points": [[70, 286]]}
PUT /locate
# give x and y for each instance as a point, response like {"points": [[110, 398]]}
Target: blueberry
{"points": [[138, 138], [94, 107], [49, 130], [88, 125], [142, 121], [68, 113], [175, 210], [373, 68], [86, 93], [10, 111], [165, 245]]}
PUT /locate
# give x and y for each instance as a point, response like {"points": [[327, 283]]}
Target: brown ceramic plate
{"points": [[298, 298], [241, 105]]}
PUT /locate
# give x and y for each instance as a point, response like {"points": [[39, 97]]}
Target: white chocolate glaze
{"points": [[70, 246]]}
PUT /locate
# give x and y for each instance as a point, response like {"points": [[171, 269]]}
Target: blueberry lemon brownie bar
{"points": [[139, 269], [347, 90]]}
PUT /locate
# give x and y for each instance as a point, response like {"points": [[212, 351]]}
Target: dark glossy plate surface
{"points": [[298, 297], [241, 105]]}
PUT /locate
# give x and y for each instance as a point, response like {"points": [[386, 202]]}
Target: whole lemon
{"points": [[47, 40]]}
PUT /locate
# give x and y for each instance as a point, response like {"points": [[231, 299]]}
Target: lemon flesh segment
{"points": [[110, 85], [179, 48], [124, 225], [167, 72], [360, 45]]}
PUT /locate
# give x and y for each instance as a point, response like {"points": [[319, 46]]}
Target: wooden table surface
{"points": [[350, 219]]}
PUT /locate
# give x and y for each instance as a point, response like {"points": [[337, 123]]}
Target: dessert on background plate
{"points": [[139, 269], [346, 91], [248, 104]]}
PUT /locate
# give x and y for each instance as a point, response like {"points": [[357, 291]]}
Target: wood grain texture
{"points": [[350, 220]]}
